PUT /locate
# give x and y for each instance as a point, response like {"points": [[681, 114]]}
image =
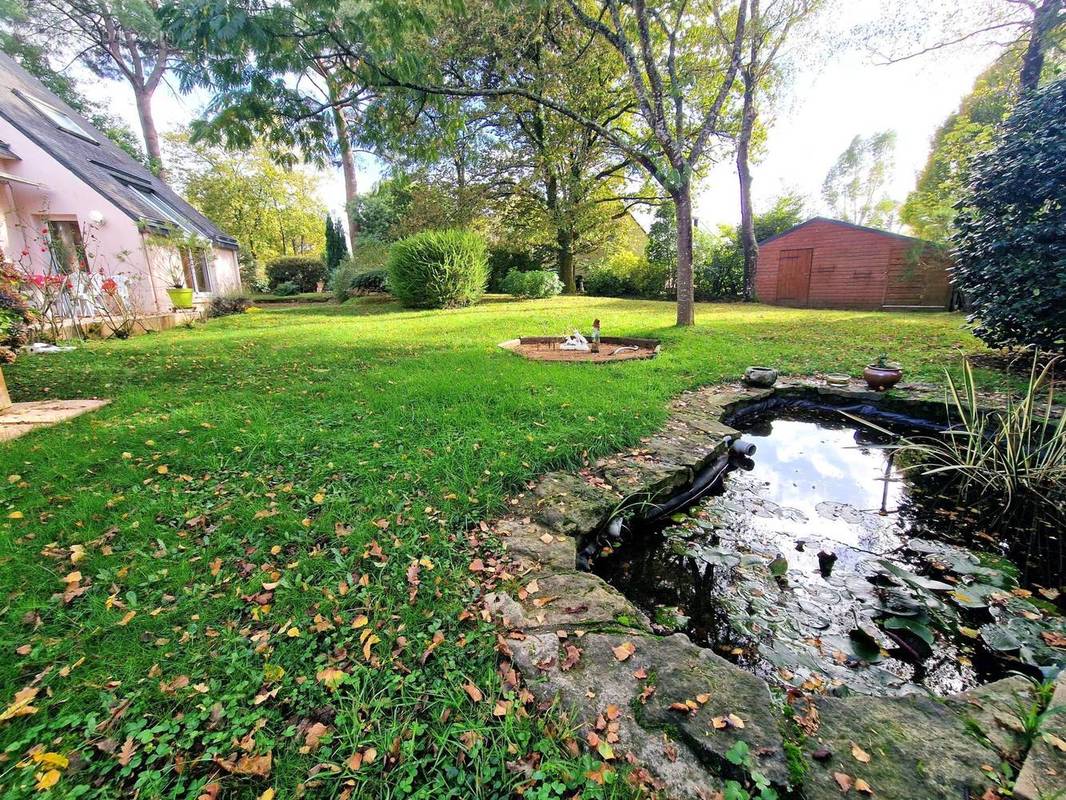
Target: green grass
{"points": [[299, 297], [289, 439]]}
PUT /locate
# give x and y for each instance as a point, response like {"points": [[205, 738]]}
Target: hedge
{"points": [[439, 269]]}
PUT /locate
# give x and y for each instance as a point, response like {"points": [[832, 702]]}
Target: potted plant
{"points": [[882, 374], [180, 295]]}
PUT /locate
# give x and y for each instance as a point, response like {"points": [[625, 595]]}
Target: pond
{"points": [[820, 562]]}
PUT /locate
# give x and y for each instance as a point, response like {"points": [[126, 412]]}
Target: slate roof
{"points": [[94, 158]]}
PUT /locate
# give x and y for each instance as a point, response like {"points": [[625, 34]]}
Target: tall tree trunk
{"points": [[351, 185], [685, 291], [565, 259], [748, 242], [143, 98], [1045, 18]]}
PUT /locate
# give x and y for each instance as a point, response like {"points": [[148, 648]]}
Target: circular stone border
{"points": [[539, 348]]}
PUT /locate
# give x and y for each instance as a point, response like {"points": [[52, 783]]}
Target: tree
{"points": [[1010, 240], [336, 246], [36, 59], [275, 79], [854, 188], [115, 40], [1034, 28], [271, 210], [768, 29]]}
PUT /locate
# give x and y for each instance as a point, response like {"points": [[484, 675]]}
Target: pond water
{"points": [[822, 563]]}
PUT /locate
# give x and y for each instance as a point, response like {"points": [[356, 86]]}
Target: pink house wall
{"points": [[115, 245]]}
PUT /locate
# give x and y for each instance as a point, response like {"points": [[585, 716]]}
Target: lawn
{"points": [[271, 520]]}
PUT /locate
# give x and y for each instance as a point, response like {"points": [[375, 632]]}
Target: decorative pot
{"points": [[881, 378], [180, 298], [762, 377], [837, 379]]}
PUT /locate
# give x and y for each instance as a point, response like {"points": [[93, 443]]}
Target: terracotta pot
{"points": [[180, 298], [881, 378]]}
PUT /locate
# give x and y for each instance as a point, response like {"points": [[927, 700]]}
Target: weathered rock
{"points": [[1043, 774], [917, 747], [535, 547], [598, 681], [643, 475], [575, 599], [684, 671], [678, 444], [569, 504], [993, 710]]}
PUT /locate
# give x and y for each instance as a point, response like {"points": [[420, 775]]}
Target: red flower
{"points": [[109, 286]]}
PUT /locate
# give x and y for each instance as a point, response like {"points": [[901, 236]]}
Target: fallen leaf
{"points": [[46, 780], [859, 754], [624, 650], [863, 786], [843, 781], [474, 692], [21, 707], [331, 677]]}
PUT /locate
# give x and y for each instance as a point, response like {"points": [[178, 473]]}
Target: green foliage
{"points": [[271, 210], [286, 289], [351, 280], [533, 284], [787, 211], [336, 244], [439, 269], [854, 187], [718, 266], [222, 305], [661, 248], [1010, 240], [15, 315], [378, 213], [614, 276], [303, 271], [504, 260]]}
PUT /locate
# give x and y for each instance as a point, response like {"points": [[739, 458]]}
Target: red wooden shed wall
{"points": [[853, 267]]}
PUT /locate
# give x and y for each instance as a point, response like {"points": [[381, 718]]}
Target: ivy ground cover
{"points": [[255, 573]]}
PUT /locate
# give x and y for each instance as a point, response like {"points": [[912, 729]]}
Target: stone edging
{"points": [[661, 700]]}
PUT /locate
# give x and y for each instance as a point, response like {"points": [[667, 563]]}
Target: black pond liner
{"points": [[641, 536]]}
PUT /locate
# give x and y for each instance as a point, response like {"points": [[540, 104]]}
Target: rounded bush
{"points": [[535, 284], [439, 269], [286, 289], [364, 272], [223, 305], [304, 271]]}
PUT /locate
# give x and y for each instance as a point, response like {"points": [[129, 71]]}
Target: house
{"points": [[827, 263], [75, 210]]}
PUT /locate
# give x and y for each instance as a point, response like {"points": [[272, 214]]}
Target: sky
{"points": [[835, 92]]}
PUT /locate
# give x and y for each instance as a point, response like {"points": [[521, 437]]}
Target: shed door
{"points": [[794, 276]]}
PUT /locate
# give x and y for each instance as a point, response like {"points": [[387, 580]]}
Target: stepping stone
{"points": [[534, 547], [1043, 774], [569, 504], [993, 709], [575, 599], [683, 671], [21, 418], [598, 681], [643, 475], [917, 747]]}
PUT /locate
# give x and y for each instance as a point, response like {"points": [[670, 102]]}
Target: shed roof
{"points": [[844, 224], [72, 140]]}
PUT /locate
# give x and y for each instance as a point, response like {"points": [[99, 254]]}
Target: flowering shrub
{"points": [[15, 315]]}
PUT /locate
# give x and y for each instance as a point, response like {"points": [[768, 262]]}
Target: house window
{"points": [[194, 263], [59, 118], [66, 247], [165, 212]]}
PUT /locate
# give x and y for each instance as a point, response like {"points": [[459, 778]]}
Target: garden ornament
{"points": [[575, 342]]}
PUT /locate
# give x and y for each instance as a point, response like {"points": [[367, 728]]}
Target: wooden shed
{"points": [[827, 263]]}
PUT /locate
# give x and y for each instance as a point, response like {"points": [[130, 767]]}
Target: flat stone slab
{"points": [[567, 600], [1044, 773], [599, 686], [569, 504], [535, 548], [909, 747], [993, 710], [21, 418]]}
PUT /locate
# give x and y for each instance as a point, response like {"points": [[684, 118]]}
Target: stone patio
{"points": [[21, 418]]}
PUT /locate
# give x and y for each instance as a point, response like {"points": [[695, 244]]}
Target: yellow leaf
{"points": [[859, 754], [162, 469], [318, 498], [126, 618], [21, 706], [293, 633], [360, 621], [370, 642], [331, 677], [272, 673], [46, 780], [57, 760], [624, 650], [267, 795], [15, 515]]}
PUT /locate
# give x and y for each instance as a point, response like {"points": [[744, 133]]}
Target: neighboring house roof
{"points": [[844, 224], [72, 140]]}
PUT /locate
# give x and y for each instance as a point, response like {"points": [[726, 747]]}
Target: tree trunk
{"points": [[1045, 18], [143, 97], [565, 259], [685, 291], [748, 242], [348, 166]]}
